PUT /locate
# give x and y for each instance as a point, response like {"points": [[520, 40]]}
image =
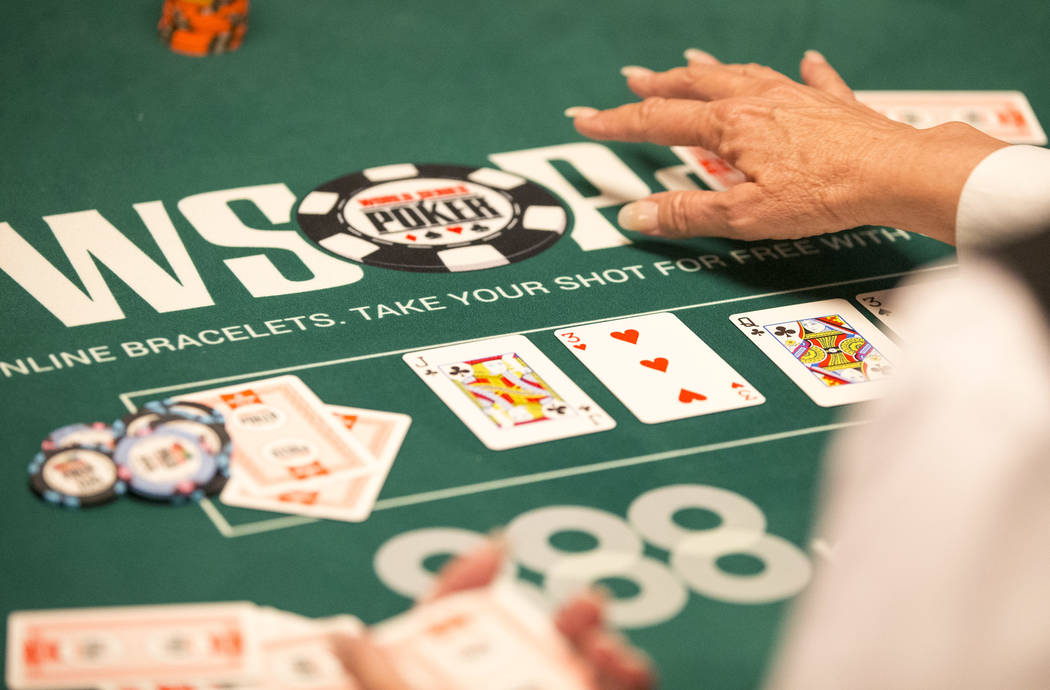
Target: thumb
{"points": [[366, 663], [691, 213]]}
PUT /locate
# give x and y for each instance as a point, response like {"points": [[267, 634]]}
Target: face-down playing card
{"points": [[341, 498], [658, 368], [507, 392], [827, 348], [487, 638]]}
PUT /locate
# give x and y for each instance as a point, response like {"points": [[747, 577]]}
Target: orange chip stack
{"points": [[203, 27]]}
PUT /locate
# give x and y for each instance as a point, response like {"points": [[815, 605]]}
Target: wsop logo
{"points": [[420, 213], [432, 218]]}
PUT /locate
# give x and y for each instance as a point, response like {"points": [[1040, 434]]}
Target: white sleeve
{"points": [[938, 511], [1007, 195]]}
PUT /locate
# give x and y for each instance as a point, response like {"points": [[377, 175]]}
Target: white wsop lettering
{"points": [[694, 557], [88, 239]]}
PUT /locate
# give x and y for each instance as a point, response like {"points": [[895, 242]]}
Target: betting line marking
{"points": [[281, 523], [126, 397], [216, 517], [484, 487]]}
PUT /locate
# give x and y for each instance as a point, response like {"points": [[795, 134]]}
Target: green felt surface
{"points": [[97, 114]]}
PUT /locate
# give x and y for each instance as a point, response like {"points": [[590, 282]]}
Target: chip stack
{"points": [[203, 27], [169, 451], [75, 467]]}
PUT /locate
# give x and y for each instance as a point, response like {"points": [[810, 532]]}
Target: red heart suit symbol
{"points": [[660, 363], [688, 396], [581, 346], [628, 336]]}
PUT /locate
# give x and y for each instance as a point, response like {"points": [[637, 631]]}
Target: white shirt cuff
{"points": [[1006, 196]]}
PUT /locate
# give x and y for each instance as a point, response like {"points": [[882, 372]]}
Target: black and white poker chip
{"points": [[432, 218]]}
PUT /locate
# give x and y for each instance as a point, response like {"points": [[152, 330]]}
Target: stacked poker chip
{"points": [[203, 27], [169, 451], [75, 467]]}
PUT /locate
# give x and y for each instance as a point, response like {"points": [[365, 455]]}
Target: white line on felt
{"points": [[494, 485], [389, 353], [216, 518], [482, 487], [270, 525]]}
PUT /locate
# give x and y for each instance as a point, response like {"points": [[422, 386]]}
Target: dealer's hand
{"points": [[612, 663], [817, 160]]}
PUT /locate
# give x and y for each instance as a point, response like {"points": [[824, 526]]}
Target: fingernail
{"points": [[635, 71], [640, 216], [701, 56], [580, 111], [814, 55]]}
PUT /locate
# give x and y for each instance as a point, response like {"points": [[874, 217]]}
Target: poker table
{"points": [[106, 129]]}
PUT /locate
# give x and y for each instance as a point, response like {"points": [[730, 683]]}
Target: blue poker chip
{"points": [[143, 420], [137, 423], [169, 464], [76, 476], [95, 434], [213, 438], [185, 408]]}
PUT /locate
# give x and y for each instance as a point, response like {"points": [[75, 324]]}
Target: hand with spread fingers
{"points": [[610, 662], [816, 159]]}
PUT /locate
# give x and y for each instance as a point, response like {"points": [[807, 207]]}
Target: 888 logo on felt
{"points": [[571, 547]]}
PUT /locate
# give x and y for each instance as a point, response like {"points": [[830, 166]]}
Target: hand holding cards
{"points": [[483, 639]]}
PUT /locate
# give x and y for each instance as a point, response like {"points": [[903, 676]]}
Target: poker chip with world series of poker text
{"points": [[174, 451], [432, 218], [76, 476]]}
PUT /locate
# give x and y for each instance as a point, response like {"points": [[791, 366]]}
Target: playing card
{"points": [[827, 348], [885, 304], [173, 685], [658, 368], [77, 648], [507, 392], [284, 436], [297, 654], [302, 658], [482, 639], [1005, 115], [339, 498], [713, 171]]}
